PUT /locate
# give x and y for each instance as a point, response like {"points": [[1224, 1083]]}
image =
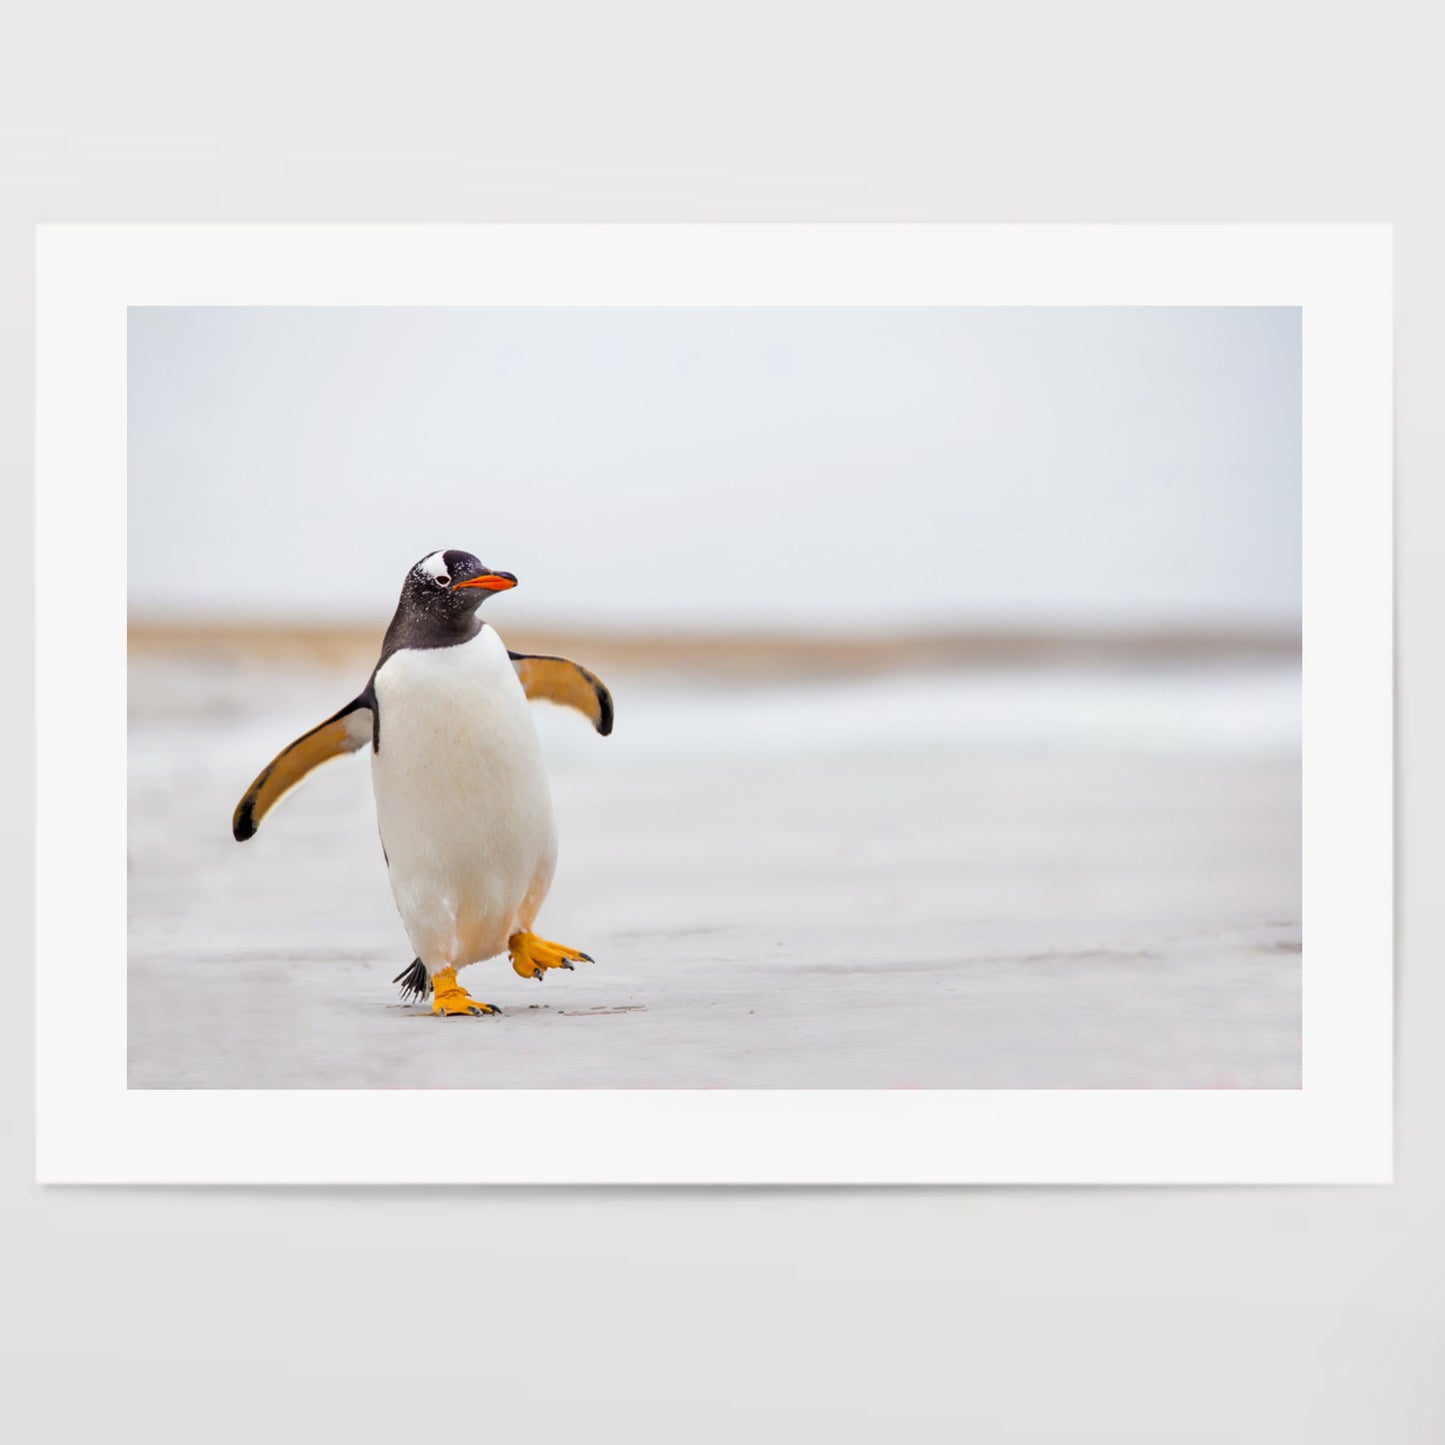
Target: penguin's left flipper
{"points": [[554, 679], [342, 732]]}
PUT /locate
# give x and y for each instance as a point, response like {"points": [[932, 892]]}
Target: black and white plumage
{"points": [[462, 799]]}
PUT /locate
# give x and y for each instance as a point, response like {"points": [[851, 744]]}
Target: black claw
{"points": [[537, 974], [568, 966], [587, 957]]}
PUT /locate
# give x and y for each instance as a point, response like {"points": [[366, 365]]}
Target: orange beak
{"points": [[489, 582]]}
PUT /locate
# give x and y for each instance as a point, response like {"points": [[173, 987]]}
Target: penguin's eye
{"points": [[442, 580]]}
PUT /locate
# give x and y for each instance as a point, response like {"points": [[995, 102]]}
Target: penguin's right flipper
{"points": [[568, 684], [342, 732]]}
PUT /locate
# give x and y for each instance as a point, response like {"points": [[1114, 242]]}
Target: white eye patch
{"points": [[435, 567]]}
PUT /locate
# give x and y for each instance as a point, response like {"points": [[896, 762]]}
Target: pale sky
{"points": [[809, 469]]}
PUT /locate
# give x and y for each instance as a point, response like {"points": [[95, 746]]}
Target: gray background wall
{"points": [[995, 1315]]}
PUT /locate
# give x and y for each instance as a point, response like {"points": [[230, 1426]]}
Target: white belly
{"points": [[461, 799]]}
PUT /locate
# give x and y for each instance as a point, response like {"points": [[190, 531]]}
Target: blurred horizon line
{"points": [[757, 653]]}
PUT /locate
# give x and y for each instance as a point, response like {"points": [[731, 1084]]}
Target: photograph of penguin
{"points": [[463, 804]]}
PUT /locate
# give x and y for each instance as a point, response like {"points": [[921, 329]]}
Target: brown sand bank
{"points": [[740, 655]]}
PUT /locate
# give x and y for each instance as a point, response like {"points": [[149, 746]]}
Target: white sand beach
{"points": [[1029, 878]]}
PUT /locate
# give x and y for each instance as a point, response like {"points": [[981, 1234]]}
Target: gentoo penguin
{"points": [[462, 801]]}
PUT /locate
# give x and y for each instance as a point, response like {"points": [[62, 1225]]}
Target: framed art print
{"points": [[798, 704]]}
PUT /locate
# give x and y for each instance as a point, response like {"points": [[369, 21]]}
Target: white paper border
{"points": [[91, 1128]]}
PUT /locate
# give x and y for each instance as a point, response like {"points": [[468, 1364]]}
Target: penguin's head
{"points": [[451, 585]]}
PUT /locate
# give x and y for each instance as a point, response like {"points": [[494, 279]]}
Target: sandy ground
{"points": [[1034, 879]]}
